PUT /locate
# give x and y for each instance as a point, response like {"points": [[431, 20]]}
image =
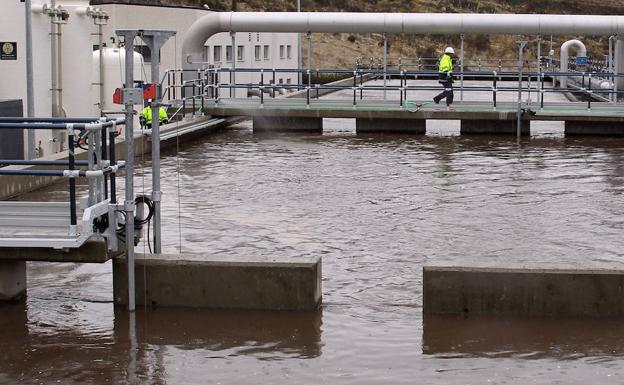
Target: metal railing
{"points": [[101, 167], [214, 85]]}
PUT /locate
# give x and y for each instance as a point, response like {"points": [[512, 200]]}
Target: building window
{"points": [[288, 51], [206, 53], [240, 53], [281, 51], [257, 52], [267, 52], [228, 53], [216, 53], [288, 81], [281, 81]]}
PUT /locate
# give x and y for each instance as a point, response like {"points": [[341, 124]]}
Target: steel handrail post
{"points": [[113, 162], [73, 220]]}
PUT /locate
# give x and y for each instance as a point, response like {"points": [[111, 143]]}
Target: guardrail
{"points": [[98, 135], [216, 84]]}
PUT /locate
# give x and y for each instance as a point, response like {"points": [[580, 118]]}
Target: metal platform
{"points": [[46, 224]]}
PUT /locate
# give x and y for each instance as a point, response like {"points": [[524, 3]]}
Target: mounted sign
{"points": [[581, 60], [8, 50]]}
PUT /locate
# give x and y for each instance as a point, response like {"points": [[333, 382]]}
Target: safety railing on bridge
{"points": [[194, 90]]}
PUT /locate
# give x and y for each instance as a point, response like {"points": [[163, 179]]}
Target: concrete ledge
{"points": [[12, 280], [494, 127], [222, 282], [390, 126], [593, 128], [283, 124], [93, 251], [538, 290]]}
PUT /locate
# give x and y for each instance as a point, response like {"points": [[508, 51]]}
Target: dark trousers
{"points": [[447, 93]]}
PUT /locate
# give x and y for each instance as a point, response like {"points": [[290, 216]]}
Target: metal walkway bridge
{"points": [[401, 101]]}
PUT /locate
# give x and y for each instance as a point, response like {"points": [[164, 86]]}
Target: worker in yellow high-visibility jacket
{"points": [[146, 116], [445, 76]]}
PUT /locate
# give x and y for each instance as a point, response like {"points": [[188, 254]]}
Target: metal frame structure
{"points": [[28, 224], [131, 96]]}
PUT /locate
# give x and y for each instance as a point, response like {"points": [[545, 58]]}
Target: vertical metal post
{"points": [[104, 156], [233, 73], [72, 181], [354, 87], [262, 87], [309, 37], [610, 63], [539, 60], [113, 162], [299, 64], [183, 93], [129, 201], [155, 40], [589, 91], [385, 63], [542, 93], [494, 89], [89, 137], [30, 93], [461, 61], [521, 45]]}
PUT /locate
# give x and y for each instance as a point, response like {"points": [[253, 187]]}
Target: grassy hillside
{"points": [[341, 50]]}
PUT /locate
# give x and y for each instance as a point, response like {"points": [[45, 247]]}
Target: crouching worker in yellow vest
{"points": [[445, 76], [146, 116]]}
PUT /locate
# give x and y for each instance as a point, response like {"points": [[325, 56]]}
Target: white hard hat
{"points": [[449, 50]]}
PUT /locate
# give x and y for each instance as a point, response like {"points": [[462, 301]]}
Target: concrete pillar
{"points": [[543, 290], [390, 126], [493, 127], [12, 280], [202, 281], [287, 124], [595, 128]]}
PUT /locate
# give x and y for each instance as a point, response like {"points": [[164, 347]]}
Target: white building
{"points": [[68, 84]]}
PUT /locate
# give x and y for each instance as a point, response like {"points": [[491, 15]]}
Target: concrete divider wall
{"points": [[221, 282], [537, 290]]}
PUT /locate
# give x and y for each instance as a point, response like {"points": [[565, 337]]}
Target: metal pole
{"points": [[521, 45], [129, 201], [155, 40], [309, 36], [539, 62], [610, 63], [101, 66], [385, 63], [299, 64], [233, 73], [30, 93], [461, 60]]}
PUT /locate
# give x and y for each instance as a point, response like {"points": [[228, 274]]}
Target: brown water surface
{"points": [[375, 208]]}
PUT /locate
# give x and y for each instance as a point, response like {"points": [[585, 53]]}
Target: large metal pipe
{"points": [[565, 54], [414, 23]]}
